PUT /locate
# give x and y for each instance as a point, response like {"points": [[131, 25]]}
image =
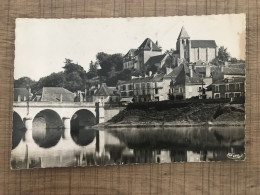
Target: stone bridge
{"points": [[55, 115]]}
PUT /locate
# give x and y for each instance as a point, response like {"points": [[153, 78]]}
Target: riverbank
{"points": [[177, 115]]}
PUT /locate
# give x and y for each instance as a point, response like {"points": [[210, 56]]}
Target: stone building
{"points": [[186, 83], [228, 88], [136, 58], [194, 50]]}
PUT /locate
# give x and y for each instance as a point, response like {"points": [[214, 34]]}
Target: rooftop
{"points": [[22, 92], [155, 59], [203, 44], [55, 94], [183, 34]]}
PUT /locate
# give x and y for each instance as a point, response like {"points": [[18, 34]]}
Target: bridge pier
{"points": [[66, 124], [28, 125]]}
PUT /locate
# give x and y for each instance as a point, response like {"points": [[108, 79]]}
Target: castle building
{"points": [[136, 58]]}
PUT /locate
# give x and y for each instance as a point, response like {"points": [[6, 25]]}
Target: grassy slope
{"points": [[194, 112]]}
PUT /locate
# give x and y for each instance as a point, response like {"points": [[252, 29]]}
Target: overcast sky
{"points": [[41, 45]]}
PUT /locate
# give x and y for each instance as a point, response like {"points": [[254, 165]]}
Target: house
{"points": [[228, 88], [143, 89], [106, 94], [129, 59], [186, 84], [156, 61], [194, 50], [136, 58], [54, 94], [22, 94], [228, 71]]}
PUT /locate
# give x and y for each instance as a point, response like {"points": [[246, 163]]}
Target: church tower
{"points": [[183, 45]]}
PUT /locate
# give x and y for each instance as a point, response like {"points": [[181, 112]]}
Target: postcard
{"points": [[113, 91]]}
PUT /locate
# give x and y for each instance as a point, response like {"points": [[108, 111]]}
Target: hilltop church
{"points": [[194, 50], [150, 53]]}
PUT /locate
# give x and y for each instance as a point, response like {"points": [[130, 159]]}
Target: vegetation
{"points": [[169, 111], [74, 77]]}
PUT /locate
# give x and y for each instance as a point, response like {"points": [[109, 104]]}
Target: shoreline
{"points": [[170, 124]]}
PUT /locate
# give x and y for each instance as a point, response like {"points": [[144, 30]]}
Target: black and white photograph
{"points": [[116, 91]]}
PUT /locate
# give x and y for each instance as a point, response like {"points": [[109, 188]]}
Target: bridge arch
{"points": [[18, 129], [82, 118], [47, 128], [80, 126]]}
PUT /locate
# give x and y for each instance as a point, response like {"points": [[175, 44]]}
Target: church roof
{"points": [[148, 44], [203, 43], [183, 34]]}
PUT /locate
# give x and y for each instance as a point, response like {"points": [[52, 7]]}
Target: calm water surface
{"points": [[88, 146]]}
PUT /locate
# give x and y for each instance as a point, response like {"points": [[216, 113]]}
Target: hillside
{"points": [[184, 112]]}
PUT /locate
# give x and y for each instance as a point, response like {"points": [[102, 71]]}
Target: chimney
{"points": [[30, 90], [61, 97], [19, 98], [151, 45], [150, 73], [222, 68], [191, 70], [207, 70], [157, 43]]}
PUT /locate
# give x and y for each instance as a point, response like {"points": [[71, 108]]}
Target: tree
{"points": [[233, 60], [52, 80], [170, 58], [223, 55], [23, 82], [75, 76], [93, 71], [107, 61]]}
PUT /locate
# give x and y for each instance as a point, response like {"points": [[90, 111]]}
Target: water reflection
{"points": [[88, 146]]}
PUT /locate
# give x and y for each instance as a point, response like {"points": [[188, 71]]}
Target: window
{"points": [[216, 88], [216, 95], [227, 95], [237, 94], [227, 87], [143, 92], [180, 90], [156, 91], [237, 86], [199, 88]]}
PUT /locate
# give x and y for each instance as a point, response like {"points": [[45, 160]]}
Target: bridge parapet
{"points": [[55, 104]]}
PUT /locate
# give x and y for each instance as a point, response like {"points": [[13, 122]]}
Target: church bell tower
{"points": [[183, 45]]}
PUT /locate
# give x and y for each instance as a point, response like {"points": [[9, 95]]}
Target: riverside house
{"points": [[186, 83], [105, 94], [143, 89], [228, 88]]}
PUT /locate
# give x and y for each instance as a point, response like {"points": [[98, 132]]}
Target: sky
{"points": [[41, 45]]}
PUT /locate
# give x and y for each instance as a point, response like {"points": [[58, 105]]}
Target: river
{"points": [[88, 146]]}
